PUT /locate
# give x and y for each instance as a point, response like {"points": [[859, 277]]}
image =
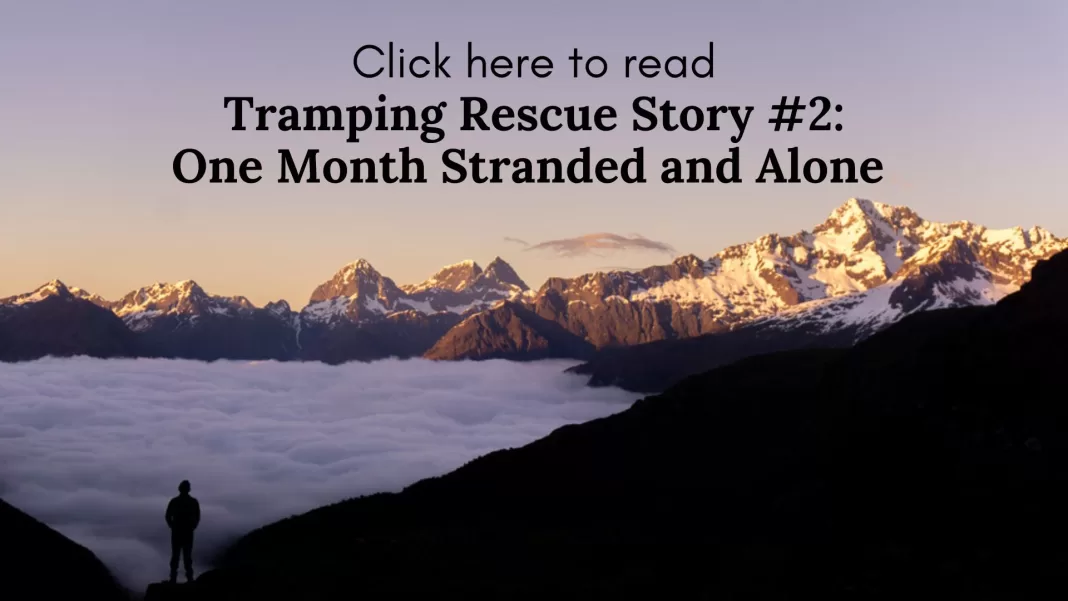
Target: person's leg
{"points": [[187, 556], [176, 544]]}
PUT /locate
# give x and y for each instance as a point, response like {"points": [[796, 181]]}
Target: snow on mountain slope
{"points": [[140, 308], [52, 288], [924, 265], [456, 277], [358, 292], [946, 274], [185, 299], [862, 245], [865, 266], [867, 263]]}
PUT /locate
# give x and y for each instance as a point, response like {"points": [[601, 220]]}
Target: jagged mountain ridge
{"points": [[867, 265], [358, 314], [140, 307], [356, 292], [359, 292], [861, 246], [49, 289]]}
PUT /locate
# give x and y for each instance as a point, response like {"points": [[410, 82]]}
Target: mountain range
{"points": [[863, 268]]}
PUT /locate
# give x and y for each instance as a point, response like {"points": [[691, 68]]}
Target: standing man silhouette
{"points": [[183, 516]]}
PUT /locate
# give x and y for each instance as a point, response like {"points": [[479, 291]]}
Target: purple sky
{"points": [[964, 102]]}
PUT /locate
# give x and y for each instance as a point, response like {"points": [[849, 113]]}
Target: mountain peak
{"points": [[49, 289], [184, 297], [360, 269], [53, 287], [182, 285], [500, 275], [868, 212], [279, 308], [360, 263], [454, 278], [877, 234], [359, 266], [358, 293], [358, 280], [866, 205], [164, 292], [858, 210]]}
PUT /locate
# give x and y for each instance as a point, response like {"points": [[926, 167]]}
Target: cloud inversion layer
{"points": [[590, 244], [96, 448]]}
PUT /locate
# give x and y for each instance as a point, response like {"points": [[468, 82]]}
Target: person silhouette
{"points": [[183, 516]]}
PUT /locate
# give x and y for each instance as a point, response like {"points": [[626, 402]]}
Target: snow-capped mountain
{"points": [[909, 264], [140, 308], [358, 314], [169, 320], [455, 278], [867, 265], [59, 320], [50, 289], [358, 292], [862, 245], [864, 267], [468, 276]]}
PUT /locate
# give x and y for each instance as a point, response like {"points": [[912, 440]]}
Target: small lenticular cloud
{"points": [[589, 244], [516, 241]]}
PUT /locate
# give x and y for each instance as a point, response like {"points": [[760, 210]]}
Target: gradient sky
{"points": [[963, 101]]}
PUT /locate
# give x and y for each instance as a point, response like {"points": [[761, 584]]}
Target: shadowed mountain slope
{"points": [[40, 563], [62, 325], [509, 331]]}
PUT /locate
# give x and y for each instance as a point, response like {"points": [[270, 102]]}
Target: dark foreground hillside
{"points": [[37, 562], [928, 461], [656, 366]]}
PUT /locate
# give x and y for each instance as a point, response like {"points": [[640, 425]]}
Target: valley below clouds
{"points": [[96, 448]]}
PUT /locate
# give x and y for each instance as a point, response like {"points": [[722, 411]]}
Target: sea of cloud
{"points": [[96, 448]]}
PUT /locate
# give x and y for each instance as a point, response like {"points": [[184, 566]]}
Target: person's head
{"points": [[184, 487]]}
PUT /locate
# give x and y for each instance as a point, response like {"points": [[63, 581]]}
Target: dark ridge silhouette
{"points": [[67, 326], [403, 335], [63, 326], [929, 460], [655, 366], [36, 562], [258, 336]]}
